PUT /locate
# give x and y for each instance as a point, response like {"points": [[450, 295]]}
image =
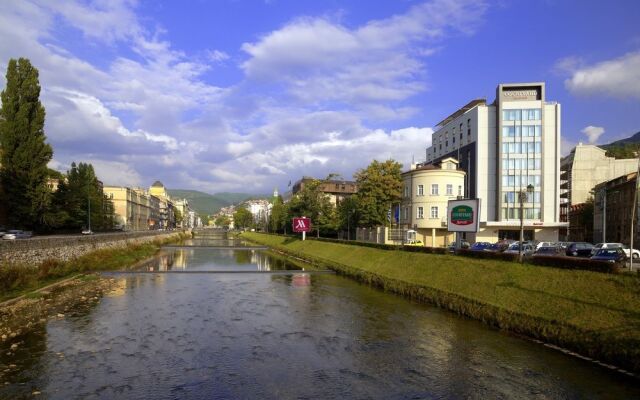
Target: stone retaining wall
{"points": [[38, 249]]}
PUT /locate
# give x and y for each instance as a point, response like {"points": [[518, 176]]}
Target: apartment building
{"points": [[612, 211], [427, 190], [504, 147], [166, 206], [131, 206]]}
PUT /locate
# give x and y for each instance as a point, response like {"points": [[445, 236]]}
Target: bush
{"points": [[576, 263], [487, 255]]}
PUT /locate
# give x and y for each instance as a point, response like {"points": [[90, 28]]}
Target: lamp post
{"points": [[522, 196]]}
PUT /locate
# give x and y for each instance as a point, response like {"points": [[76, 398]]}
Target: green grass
{"points": [[22, 279], [595, 314]]}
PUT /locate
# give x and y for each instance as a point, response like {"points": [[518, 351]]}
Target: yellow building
{"points": [[131, 206], [426, 192], [165, 204]]}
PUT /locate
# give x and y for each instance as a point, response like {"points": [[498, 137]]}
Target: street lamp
{"points": [[522, 196]]}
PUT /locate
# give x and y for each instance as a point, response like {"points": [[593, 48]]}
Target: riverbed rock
{"points": [[14, 346]]}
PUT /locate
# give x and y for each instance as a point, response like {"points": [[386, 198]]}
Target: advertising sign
{"points": [[302, 224], [463, 215]]}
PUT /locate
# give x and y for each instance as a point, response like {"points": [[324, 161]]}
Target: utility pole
{"points": [[604, 215], [89, 213]]}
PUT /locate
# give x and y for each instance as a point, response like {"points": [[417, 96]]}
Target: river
{"points": [[229, 321]]}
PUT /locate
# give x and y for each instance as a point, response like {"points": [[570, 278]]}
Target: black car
{"points": [[579, 249], [615, 255]]}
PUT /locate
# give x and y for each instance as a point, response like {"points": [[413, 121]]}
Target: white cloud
{"points": [[593, 133], [145, 111], [619, 77], [322, 60]]}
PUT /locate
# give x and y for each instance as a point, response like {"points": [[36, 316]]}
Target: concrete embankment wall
{"points": [[64, 248]]}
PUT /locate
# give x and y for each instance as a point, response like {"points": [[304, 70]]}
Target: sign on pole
{"points": [[463, 215], [303, 225]]}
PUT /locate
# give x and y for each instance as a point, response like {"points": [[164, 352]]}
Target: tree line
{"points": [[36, 197], [379, 189]]}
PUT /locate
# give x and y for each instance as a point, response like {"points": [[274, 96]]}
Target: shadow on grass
{"points": [[626, 312]]}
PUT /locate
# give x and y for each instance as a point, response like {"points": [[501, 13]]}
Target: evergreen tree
{"points": [[25, 153]]}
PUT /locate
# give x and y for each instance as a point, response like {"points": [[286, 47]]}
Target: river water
{"points": [[229, 321]]}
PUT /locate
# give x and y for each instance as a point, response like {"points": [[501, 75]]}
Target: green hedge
{"points": [[576, 263]]}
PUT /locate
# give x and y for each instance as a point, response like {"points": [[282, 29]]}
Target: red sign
{"points": [[302, 224]]}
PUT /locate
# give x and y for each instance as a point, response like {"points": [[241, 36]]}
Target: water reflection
{"points": [[271, 336]]}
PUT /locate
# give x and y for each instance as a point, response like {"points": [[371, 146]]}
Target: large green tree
{"points": [[81, 198], [242, 218], [25, 153], [278, 217], [311, 202], [379, 187]]}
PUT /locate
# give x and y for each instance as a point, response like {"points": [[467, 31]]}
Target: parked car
{"points": [[613, 255], [544, 244], [87, 232], [579, 249], [629, 253], [16, 234], [599, 246], [414, 243], [564, 245], [527, 249], [498, 247], [480, 246], [549, 251]]}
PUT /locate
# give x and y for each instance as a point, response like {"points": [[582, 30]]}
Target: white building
{"points": [[504, 147]]}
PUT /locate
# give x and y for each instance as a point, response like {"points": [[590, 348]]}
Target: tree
{"points": [[379, 187], [278, 216], [222, 220], [80, 194], [242, 218], [25, 153], [311, 202]]}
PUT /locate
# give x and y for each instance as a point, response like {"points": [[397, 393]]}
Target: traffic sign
{"points": [[302, 224]]}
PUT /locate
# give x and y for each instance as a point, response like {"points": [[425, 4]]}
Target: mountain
{"points": [[205, 203], [624, 148]]}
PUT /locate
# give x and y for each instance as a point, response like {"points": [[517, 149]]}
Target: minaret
{"points": [[275, 192]]}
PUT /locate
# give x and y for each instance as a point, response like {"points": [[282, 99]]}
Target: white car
{"points": [[627, 252], [16, 234], [545, 244]]}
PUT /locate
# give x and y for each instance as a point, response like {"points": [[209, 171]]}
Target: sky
{"points": [[248, 95]]}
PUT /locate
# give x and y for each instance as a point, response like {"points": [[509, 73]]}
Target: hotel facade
{"points": [[505, 147]]}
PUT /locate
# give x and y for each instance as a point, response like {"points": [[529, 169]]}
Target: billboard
{"points": [[463, 215], [301, 224]]}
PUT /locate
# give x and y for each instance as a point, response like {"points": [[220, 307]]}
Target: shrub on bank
{"points": [[576, 263], [487, 255]]}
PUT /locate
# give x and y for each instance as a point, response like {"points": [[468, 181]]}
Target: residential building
{"points": [[580, 219], [183, 207], [131, 206], [427, 190], [336, 190], [260, 209], [584, 168], [504, 147], [613, 205]]}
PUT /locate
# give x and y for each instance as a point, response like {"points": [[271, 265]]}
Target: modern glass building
{"points": [[505, 147]]}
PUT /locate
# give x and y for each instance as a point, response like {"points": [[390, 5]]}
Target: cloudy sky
{"points": [[246, 95]]}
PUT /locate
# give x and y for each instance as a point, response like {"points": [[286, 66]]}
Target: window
{"points": [[434, 189], [469, 127], [420, 190], [449, 190], [511, 115], [405, 213], [420, 212], [459, 190], [406, 191], [531, 114], [434, 212]]}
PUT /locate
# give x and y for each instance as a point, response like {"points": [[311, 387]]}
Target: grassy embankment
{"points": [[17, 279], [593, 314]]}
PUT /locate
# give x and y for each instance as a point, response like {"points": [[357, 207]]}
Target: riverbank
{"points": [[596, 315], [20, 278]]}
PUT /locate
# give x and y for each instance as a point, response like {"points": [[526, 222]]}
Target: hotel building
{"points": [[504, 147]]}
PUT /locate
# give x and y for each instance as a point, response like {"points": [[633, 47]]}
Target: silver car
{"points": [[16, 234]]}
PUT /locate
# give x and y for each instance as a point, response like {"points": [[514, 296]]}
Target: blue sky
{"points": [[248, 95]]}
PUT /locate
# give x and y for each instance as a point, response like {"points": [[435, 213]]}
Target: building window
{"points": [[434, 189], [420, 190], [406, 191], [434, 212], [405, 214], [511, 115], [420, 213], [449, 190], [469, 127], [459, 190]]}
